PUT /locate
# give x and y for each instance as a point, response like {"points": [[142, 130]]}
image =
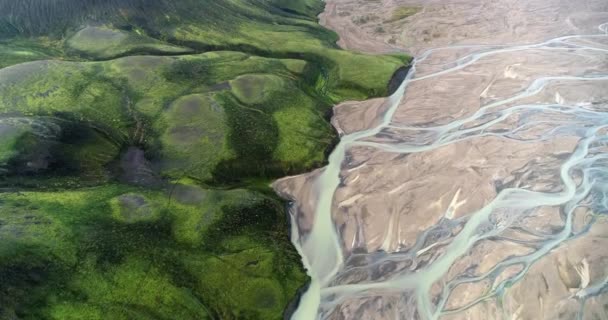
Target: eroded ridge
{"points": [[493, 205]]}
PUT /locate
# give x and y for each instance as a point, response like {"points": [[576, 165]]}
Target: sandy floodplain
{"points": [[479, 190]]}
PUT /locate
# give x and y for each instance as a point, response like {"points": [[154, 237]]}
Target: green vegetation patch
{"points": [[308, 8], [194, 139], [183, 252], [105, 43], [219, 116], [9, 136], [403, 12], [36, 147], [22, 50], [255, 89], [132, 208], [137, 146]]}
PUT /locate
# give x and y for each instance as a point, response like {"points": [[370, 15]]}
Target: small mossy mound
{"points": [[9, 135], [132, 289], [256, 89], [106, 43], [200, 209], [97, 39], [194, 139], [132, 208]]}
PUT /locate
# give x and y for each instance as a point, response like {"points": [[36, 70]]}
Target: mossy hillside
{"points": [[181, 223], [255, 89], [343, 70], [58, 17], [306, 8], [19, 51], [270, 34], [213, 116], [72, 254], [80, 254], [79, 91], [244, 266], [37, 145], [9, 136], [194, 137], [88, 43], [105, 43], [54, 17], [277, 28]]}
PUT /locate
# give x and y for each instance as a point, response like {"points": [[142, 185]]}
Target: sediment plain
{"points": [[479, 189]]}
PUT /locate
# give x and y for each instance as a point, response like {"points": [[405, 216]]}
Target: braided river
{"points": [[478, 190]]}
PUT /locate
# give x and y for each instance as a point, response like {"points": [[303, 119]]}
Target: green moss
{"points": [[403, 12], [9, 136], [196, 210], [222, 97], [310, 8], [276, 28], [303, 137], [51, 148], [194, 137], [357, 76], [20, 50], [221, 125], [256, 89], [295, 66], [132, 208], [246, 281], [136, 254], [105, 43], [79, 91], [83, 151], [232, 276], [28, 231], [77, 311], [133, 289]]}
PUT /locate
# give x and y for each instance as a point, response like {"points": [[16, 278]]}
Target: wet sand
{"points": [[479, 189]]}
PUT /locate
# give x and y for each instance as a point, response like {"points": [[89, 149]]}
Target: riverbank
{"points": [[286, 191]]}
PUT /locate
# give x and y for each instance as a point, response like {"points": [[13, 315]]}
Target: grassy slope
{"points": [[134, 166]]}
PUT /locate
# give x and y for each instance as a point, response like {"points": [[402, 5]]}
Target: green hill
{"points": [[137, 142]]}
